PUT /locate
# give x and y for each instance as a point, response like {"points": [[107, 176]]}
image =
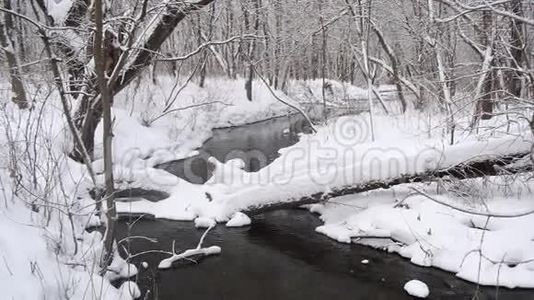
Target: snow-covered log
{"points": [[471, 169]]}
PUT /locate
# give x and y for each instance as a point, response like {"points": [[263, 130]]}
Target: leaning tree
{"points": [[94, 49], [133, 32]]}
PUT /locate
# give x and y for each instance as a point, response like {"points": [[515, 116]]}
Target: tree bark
{"points": [[517, 49], [394, 65], [484, 106], [174, 14], [75, 17], [89, 111], [7, 35], [106, 99]]}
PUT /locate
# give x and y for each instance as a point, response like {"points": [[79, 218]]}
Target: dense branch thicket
{"points": [[450, 53]]}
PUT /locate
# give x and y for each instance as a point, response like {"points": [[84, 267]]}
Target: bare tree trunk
{"points": [[484, 106], [106, 99], [21, 31], [517, 49], [532, 129], [365, 28], [7, 35], [89, 111], [394, 65], [75, 17], [251, 46], [231, 49], [204, 56], [245, 47], [442, 75], [323, 61], [482, 83], [277, 45]]}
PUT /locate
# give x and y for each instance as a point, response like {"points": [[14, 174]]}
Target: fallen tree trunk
{"points": [[471, 169]]}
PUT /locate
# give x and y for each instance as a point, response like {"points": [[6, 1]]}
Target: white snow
{"points": [[431, 234], [167, 263], [199, 250], [417, 288], [129, 290], [204, 222], [238, 220], [58, 9], [365, 261], [119, 268], [342, 154], [142, 128], [39, 257]]}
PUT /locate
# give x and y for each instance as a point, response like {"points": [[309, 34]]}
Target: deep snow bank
{"points": [[343, 154], [340, 154], [178, 116], [478, 248], [45, 252]]}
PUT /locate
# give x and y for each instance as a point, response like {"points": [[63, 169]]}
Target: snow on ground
{"points": [[204, 222], [129, 290], [417, 288], [146, 134], [340, 154], [38, 261], [340, 98], [478, 248], [334, 158], [311, 91], [336, 94], [343, 153], [238, 220], [45, 251], [169, 120], [119, 268], [194, 110]]}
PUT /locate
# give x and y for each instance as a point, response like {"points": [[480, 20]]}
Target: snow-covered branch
{"points": [[199, 250]]}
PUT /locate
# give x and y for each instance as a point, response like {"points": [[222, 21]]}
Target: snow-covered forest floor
{"points": [[49, 207]]}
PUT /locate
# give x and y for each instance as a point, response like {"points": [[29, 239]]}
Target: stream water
{"points": [[279, 256], [256, 144]]}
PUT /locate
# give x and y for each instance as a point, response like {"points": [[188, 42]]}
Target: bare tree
{"points": [[7, 42]]}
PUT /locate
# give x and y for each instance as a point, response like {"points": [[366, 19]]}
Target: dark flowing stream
{"points": [[256, 144], [279, 256]]}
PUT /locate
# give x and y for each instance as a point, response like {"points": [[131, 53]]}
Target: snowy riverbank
{"points": [[47, 208], [58, 208], [343, 154], [492, 245]]}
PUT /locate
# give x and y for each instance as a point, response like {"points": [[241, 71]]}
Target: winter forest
{"points": [[266, 149]]}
